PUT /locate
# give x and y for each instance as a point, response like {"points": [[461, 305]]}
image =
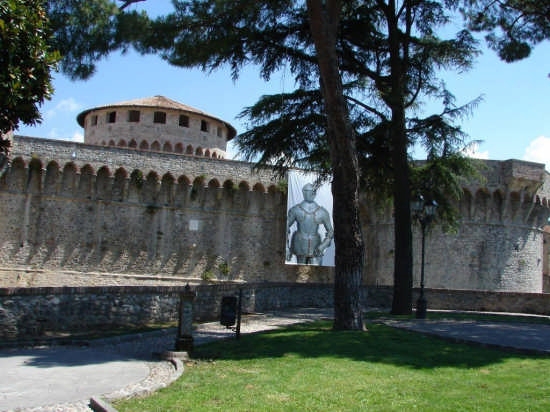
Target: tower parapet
{"points": [[157, 124]]}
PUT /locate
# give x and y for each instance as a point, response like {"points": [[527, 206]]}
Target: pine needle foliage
{"points": [[512, 27]]}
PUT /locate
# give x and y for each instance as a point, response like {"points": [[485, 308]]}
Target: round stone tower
{"points": [[157, 124]]}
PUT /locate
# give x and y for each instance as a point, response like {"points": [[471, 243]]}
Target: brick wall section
{"points": [[27, 313], [480, 256], [32, 313], [486, 301]]}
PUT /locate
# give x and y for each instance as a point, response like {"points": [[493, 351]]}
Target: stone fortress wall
{"points": [[107, 233], [500, 245], [86, 208]]}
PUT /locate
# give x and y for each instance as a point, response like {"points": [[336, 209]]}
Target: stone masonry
{"points": [[71, 206], [500, 245]]}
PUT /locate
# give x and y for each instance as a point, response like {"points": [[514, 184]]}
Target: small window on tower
{"points": [[111, 117], [133, 116], [159, 117], [93, 120], [184, 120], [204, 125]]}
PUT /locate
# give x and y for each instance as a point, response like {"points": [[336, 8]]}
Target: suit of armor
{"points": [[306, 243]]}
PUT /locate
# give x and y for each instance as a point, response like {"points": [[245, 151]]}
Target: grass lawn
{"points": [[312, 368]]}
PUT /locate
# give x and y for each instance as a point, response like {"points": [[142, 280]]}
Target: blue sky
{"points": [[513, 120]]}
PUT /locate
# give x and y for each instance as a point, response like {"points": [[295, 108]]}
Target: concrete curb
{"points": [[100, 405], [163, 373]]}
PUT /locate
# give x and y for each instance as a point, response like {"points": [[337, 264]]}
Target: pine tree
{"points": [[346, 56]]}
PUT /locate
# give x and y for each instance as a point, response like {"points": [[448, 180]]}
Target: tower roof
{"points": [[157, 102]]}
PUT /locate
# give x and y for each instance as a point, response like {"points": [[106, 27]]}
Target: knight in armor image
{"points": [[306, 243]]}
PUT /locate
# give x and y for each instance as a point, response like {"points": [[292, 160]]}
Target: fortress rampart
{"points": [[110, 159], [72, 206], [500, 244], [69, 206]]}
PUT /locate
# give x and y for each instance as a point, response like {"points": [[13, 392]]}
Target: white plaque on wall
{"points": [[193, 225]]}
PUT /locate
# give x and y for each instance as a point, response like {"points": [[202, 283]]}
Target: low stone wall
{"points": [[31, 313], [485, 301]]}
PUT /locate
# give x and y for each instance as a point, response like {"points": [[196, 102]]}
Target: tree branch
{"points": [[128, 3], [367, 107]]}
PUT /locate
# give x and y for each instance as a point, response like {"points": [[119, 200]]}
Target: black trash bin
{"points": [[228, 315]]}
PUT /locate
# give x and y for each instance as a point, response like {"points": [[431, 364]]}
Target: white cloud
{"points": [[231, 152], [53, 134], [77, 137], [64, 106], [539, 151], [472, 150], [57, 134]]}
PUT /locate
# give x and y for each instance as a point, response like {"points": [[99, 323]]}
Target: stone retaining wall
{"points": [[31, 313], [485, 301]]}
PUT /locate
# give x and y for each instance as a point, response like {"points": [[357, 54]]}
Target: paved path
{"points": [[34, 377], [65, 378], [524, 337]]}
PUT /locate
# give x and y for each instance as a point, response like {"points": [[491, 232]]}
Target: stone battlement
{"points": [[86, 208], [106, 161]]}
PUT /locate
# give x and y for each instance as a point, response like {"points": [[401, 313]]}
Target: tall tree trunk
{"points": [[324, 19], [402, 278]]}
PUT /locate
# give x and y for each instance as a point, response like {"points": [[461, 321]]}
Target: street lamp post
{"points": [[423, 212]]}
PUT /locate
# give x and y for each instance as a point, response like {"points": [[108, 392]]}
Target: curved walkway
{"points": [[52, 379], [64, 378]]}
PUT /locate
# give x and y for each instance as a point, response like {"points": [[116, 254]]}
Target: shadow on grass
{"points": [[381, 344]]}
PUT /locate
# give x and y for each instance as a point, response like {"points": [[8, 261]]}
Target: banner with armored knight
{"points": [[310, 233]]}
